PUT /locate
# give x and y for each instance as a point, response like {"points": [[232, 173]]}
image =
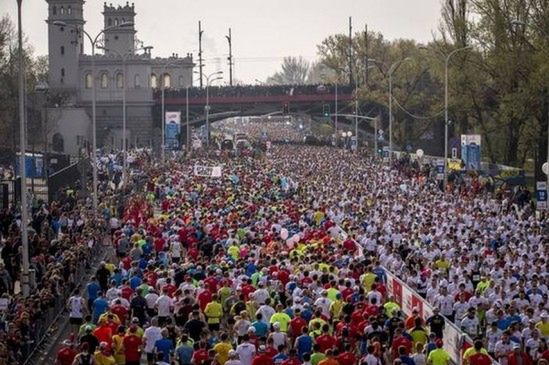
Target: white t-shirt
{"points": [[246, 352], [75, 304], [164, 304], [151, 335]]}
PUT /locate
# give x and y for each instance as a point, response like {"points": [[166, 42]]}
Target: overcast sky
{"points": [[263, 31]]}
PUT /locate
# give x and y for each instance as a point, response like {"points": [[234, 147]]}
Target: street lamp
{"points": [[25, 283], [207, 107], [93, 41], [392, 69], [446, 111], [124, 57]]}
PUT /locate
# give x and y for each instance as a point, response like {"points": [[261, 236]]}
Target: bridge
{"points": [[225, 101]]}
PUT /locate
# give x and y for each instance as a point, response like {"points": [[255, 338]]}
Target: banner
{"points": [[470, 151], [455, 341], [440, 169], [208, 171], [172, 130], [541, 195]]}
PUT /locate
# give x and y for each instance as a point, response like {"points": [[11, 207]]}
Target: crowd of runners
{"points": [[283, 260]]}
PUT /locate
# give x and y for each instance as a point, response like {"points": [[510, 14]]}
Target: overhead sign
{"points": [[208, 171], [172, 130]]}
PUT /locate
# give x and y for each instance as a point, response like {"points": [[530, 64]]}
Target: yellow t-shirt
{"points": [[101, 359], [283, 319], [222, 349], [471, 351], [439, 357], [543, 328], [336, 307], [368, 279], [234, 251], [213, 311]]}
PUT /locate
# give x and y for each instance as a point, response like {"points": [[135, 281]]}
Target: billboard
{"points": [[470, 151], [172, 130]]}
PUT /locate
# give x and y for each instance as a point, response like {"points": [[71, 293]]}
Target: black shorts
{"points": [[176, 260], [150, 356], [213, 326], [133, 362], [76, 321]]}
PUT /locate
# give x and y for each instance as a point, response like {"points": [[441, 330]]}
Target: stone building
{"points": [[121, 64]]}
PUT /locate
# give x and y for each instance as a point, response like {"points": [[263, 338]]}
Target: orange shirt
{"points": [[329, 361]]}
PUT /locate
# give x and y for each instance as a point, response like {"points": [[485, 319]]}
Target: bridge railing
{"points": [[256, 90]]}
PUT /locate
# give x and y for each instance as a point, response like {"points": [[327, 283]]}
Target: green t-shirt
{"points": [[317, 357]]}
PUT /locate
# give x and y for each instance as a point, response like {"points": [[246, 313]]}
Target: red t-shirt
{"points": [[292, 361], [131, 347], [126, 292], [296, 326], [200, 356], [346, 358], [263, 360], [66, 356], [103, 334], [120, 311], [325, 342], [480, 359], [204, 298]]}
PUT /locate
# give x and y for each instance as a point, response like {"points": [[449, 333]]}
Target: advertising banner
{"points": [[440, 169], [470, 151], [541, 195], [172, 130]]}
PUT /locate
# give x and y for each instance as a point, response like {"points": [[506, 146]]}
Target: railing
{"points": [[455, 340], [41, 328]]}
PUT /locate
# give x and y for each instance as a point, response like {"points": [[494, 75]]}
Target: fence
{"points": [[42, 327], [455, 340], [68, 177]]}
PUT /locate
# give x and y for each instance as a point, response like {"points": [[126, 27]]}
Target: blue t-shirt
{"points": [[165, 346], [93, 288], [279, 358], [100, 306], [185, 354], [304, 345], [135, 281], [261, 328]]}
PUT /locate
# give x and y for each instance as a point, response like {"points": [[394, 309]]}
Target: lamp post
{"points": [[25, 282], [392, 69], [207, 107], [447, 61], [93, 41], [124, 57]]}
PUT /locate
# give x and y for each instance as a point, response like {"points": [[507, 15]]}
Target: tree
{"points": [[294, 72], [35, 71]]}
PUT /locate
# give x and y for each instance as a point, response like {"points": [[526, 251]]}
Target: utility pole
{"points": [[350, 51], [230, 58], [200, 65], [366, 55]]}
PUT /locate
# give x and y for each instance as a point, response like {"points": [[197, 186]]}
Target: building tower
{"points": [[119, 39], [65, 43]]}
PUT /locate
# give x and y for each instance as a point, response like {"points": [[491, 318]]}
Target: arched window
{"points": [[69, 10], [167, 80], [109, 22], [181, 81], [154, 81], [122, 21], [104, 80], [57, 143], [88, 80], [120, 80], [62, 10], [136, 81], [54, 10], [116, 22]]}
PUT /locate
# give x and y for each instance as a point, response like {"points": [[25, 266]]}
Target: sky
{"points": [[263, 31]]}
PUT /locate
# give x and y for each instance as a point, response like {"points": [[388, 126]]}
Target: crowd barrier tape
{"points": [[455, 340]]}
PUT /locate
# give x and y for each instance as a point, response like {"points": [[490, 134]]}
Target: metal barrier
{"points": [[43, 325]]}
